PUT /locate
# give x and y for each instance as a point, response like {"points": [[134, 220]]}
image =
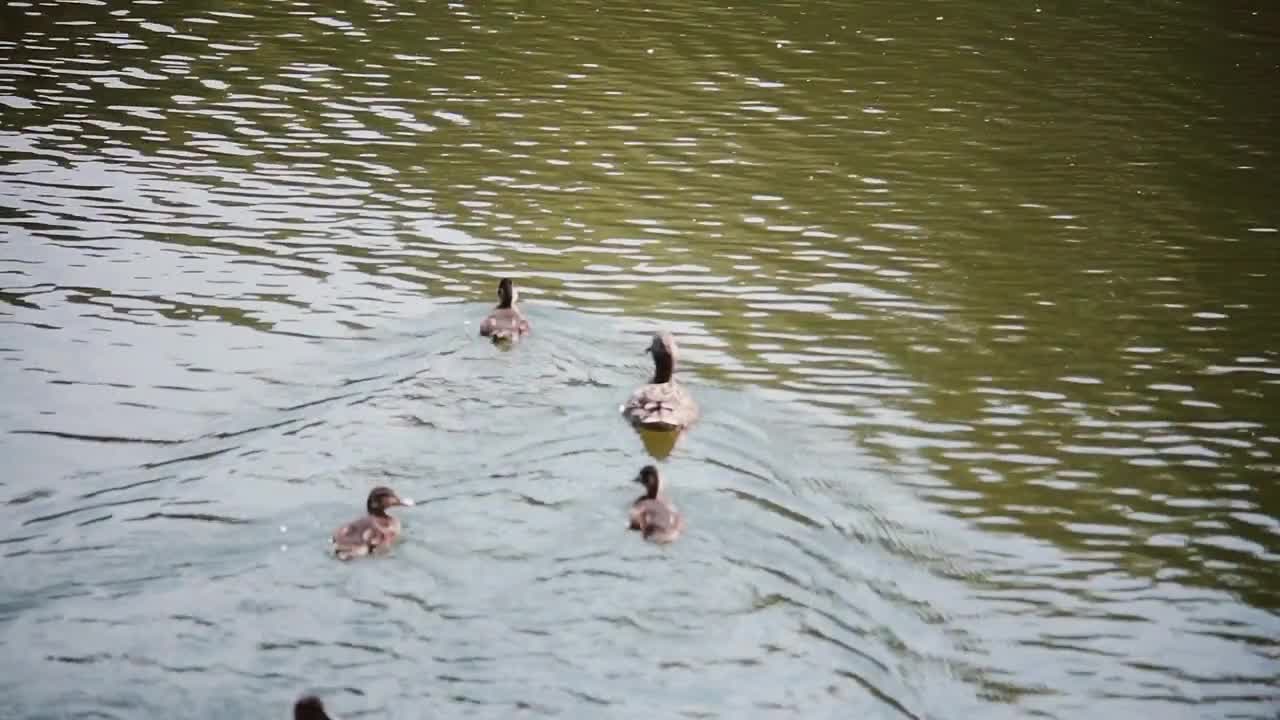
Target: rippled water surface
{"points": [[979, 299]]}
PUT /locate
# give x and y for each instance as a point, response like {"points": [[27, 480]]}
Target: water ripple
{"points": [[986, 358]]}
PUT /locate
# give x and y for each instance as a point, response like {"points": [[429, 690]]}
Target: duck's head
{"points": [[381, 498], [309, 708], [650, 479], [663, 343], [506, 293]]}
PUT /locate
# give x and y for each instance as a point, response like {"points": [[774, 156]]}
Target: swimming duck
{"points": [[506, 323], [652, 513], [373, 532], [309, 708], [663, 404]]}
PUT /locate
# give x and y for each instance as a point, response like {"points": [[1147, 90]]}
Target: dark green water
{"points": [[980, 301]]}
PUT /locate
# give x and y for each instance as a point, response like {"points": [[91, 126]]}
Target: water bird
{"points": [[309, 707], [662, 404], [652, 513], [375, 531], [506, 323]]}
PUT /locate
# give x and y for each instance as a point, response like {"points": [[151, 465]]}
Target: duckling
{"points": [[373, 532], [506, 323], [309, 707], [652, 513], [663, 404]]}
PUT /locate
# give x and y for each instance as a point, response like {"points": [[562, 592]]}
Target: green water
{"points": [[979, 300]]}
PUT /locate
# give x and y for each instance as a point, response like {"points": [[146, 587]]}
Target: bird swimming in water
{"points": [[373, 532], [662, 404], [506, 323], [652, 513], [309, 707]]}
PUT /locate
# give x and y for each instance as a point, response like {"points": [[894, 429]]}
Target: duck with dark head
{"points": [[663, 403], [652, 513], [375, 531], [506, 324]]}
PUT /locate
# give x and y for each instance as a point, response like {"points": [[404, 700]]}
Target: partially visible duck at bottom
{"points": [[375, 532], [309, 707], [652, 513], [506, 324], [662, 404]]}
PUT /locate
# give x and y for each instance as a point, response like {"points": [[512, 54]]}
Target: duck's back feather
{"points": [[657, 519], [661, 406], [364, 536], [504, 324]]}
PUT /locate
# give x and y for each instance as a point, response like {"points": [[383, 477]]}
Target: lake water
{"points": [[979, 299]]}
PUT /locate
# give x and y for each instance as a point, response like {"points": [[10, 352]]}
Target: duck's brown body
{"points": [[656, 519], [364, 536], [661, 406]]}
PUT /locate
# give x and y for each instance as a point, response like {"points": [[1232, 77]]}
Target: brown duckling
{"points": [[309, 707], [375, 531], [506, 323], [652, 513], [663, 404]]}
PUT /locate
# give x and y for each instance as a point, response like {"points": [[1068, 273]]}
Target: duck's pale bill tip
{"points": [[406, 501]]}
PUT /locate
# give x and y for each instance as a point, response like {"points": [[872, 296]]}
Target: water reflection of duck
{"points": [[662, 404], [652, 513], [658, 443], [309, 708], [373, 532], [506, 323]]}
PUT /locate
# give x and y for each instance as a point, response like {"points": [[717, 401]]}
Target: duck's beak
{"points": [[408, 502]]}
